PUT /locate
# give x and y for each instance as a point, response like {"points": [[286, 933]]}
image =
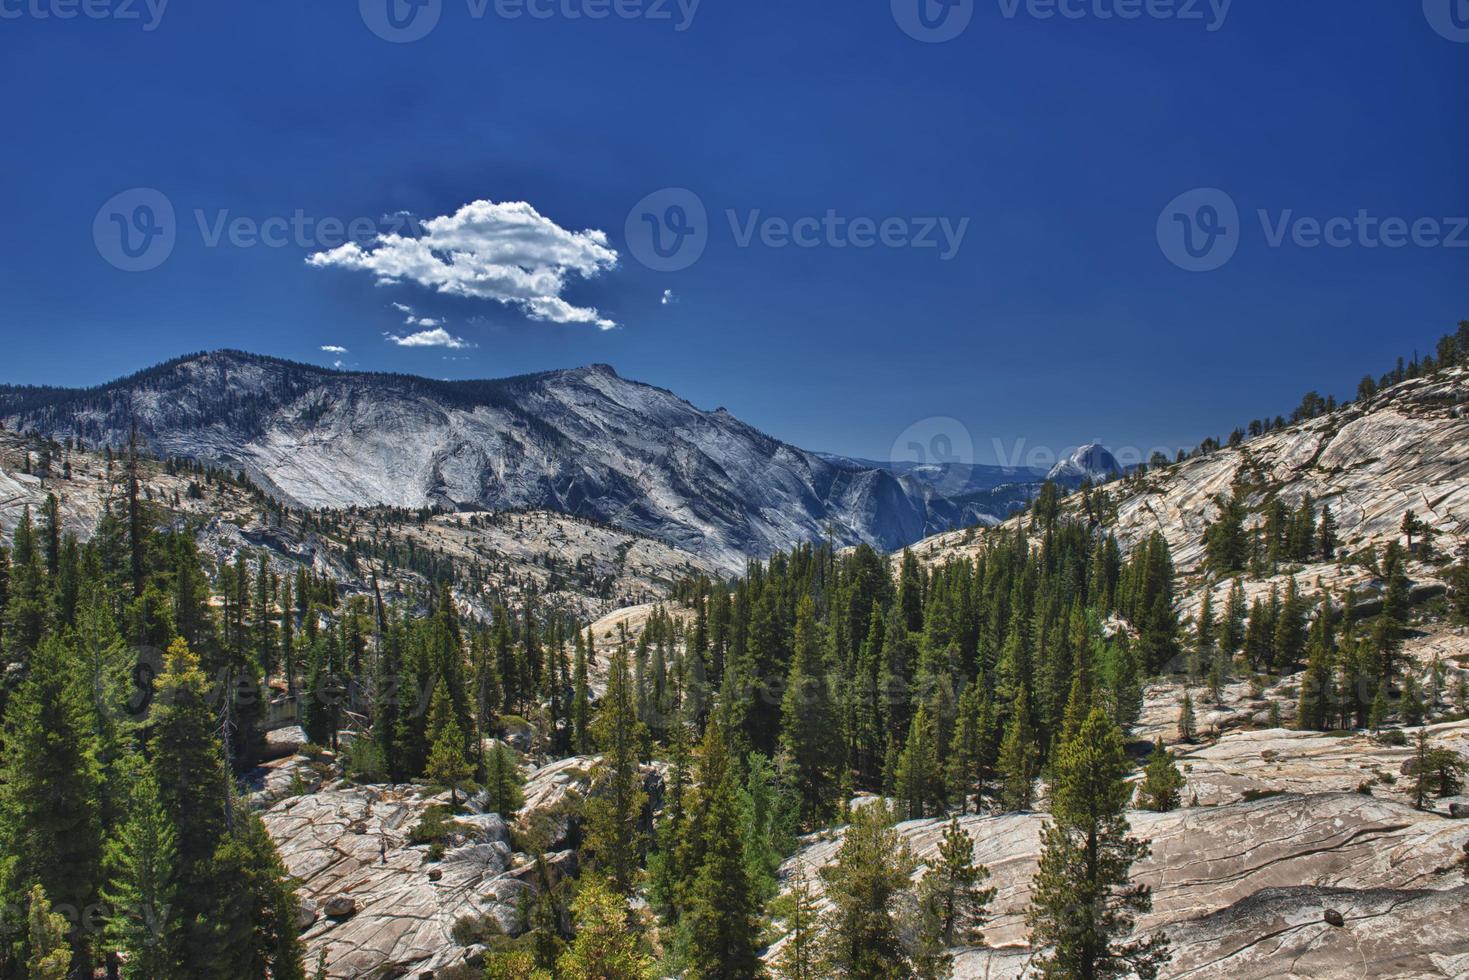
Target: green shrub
{"points": [[365, 762]]}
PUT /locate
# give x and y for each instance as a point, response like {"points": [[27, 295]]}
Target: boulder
{"points": [[340, 907], [520, 734], [283, 743], [308, 910]]}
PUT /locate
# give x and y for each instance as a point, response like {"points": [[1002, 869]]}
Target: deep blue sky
{"points": [[1060, 319]]}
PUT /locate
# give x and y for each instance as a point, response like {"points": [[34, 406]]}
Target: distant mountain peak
{"points": [[1092, 461]]}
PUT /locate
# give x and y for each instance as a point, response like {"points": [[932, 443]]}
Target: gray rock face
{"points": [[382, 910], [1406, 448], [583, 442], [1277, 760], [380, 906], [1209, 864]]}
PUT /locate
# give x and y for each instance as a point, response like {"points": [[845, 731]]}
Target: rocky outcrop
{"points": [[377, 904], [1206, 860], [380, 905], [1280, 761], [1407, 448]]}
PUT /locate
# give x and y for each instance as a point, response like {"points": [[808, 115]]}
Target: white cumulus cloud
{"points": [[438, 337], [507, 252], [333, 349]]}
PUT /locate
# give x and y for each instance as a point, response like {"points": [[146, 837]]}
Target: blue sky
{"points": [[1057, 145]]}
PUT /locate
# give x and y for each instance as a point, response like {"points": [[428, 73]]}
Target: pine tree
{"points": [[51, 787], [798, 958], [447, 765], [721, 925], [769, 823], [1019, 758], [1326, 540], [193, 788], [861, 935], [1290, 632], [810, 728], [1186, 725], [254, 909], [1377, 717], [615, 813], [1316, 684], [1232, 626], [1435, 770], [965, 749], [1203, 637], [1162, 782], [918, 784], [1421, 768], [581, 703], [503, 780], [1225, 543], [1082, 905], [142, 865], [953, 890], [604, 948], [1411, 705], [26, 609], [50, 954]]}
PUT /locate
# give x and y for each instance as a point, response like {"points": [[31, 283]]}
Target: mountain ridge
{"points": [[581, 441]]}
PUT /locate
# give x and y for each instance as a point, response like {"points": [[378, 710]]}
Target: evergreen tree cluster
{"points": [[122, 836]]}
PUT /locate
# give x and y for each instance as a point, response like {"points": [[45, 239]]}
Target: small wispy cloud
{"points": [[668, 298], [333, 349], [437, 337], [412, 319]]}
